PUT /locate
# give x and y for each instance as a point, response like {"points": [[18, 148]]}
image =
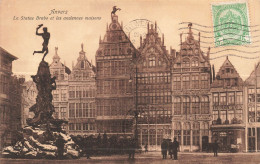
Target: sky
{"points": [[18, 36]]}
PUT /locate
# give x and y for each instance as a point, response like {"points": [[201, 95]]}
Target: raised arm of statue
{"points": [[39, 26]]}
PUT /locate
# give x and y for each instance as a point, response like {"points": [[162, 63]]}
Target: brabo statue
{"points": [[46, 36], [43, 109]]}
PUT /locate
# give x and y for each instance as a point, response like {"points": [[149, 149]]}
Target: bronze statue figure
{"points": [[46, 36], [114, 10]]}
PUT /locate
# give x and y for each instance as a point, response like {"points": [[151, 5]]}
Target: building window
{"points": [[195, 82], [186, 134], [152, 137], [177, 83], [186, 82], [177, 106], [144, 136], [204, 105], [239, 98], [78, 110], [204, 82], [239, 114], [215, 115], [78, 92], [205, 129], [78, 126], [196, 133], [186, 63], [63, 95], [195, 105], [186, 105], [82, 65], [144, 63], [223, 99], [56, 113], [72, 110], [85, 126], [251, 114], [55, 97], [231, 98], [223, 114], [4, 81], [72, 92], [251, 95], [71, 126], [159, 62], [85, 110], [177, 131], [231, 115], [195, 63], [215, 99], [63, 113], [151, 61]]}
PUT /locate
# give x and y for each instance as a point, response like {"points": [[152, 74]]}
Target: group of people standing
{"points": [[171, 147]]}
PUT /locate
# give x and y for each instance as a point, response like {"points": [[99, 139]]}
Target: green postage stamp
{"points": [[231, 24]]}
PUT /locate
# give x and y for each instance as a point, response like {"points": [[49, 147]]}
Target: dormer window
{"points": [[195, 63], [151, 61], [186, 63], [82, 65], [227, 70], [159, 63], [144, 63]]}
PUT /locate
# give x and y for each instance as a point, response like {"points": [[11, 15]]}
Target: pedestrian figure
{"points": [[175, 149], [46, 36], [170, 149], [164, 148], [60, 145], [131, 149], [215, 148], [88, 146], [146, 148]]}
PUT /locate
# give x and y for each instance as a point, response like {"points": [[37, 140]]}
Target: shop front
{"points": [[229, 139]]}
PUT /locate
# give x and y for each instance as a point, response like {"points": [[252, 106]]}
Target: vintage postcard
{"points": [[129, 81]]}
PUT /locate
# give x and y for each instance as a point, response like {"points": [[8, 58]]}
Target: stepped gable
{"points": [[227, 71], [190, 48], [153, 44], [83, 63], [115, 35], [56, 63], [251, 80]]}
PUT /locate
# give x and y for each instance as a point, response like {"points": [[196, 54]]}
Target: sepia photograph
{"points": [[129, 81]]}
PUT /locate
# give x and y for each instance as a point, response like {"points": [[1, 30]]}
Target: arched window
{"points": [[186, 62], [159, 63], [177, 106], [151, 61], [205, 105], [177, 131], [186, 105], [144, 63], [82, 65], [195, 63], [205, 129], [195, 105], [186, 134], [196, 133]]}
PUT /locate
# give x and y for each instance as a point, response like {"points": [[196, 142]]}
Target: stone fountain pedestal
{"points": [[38, 139]]}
